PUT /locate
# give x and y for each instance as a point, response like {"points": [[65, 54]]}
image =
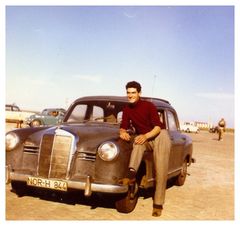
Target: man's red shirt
{"points": [[142, 115]]}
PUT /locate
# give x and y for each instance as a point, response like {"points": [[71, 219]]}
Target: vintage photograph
{"points": [[119, 112]]}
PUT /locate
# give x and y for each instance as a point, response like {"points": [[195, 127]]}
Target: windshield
{"points": [[100, 112]]}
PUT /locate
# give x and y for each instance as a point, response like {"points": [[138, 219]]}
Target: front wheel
{"points": [[35, 123], [128, 201]]}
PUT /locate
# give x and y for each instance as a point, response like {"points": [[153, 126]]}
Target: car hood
{"points": [[88, 134], [92, 131]]}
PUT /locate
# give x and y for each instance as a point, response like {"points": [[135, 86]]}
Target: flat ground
{"points": [[208, 193]]}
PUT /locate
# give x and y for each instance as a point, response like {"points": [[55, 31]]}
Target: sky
{"points": [[185, 54]]}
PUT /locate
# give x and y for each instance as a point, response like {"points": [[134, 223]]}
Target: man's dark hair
{"points": [[134, 84]]}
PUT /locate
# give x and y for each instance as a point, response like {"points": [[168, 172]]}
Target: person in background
{"points": [[221, 128], [150, 134], [54, 113]]}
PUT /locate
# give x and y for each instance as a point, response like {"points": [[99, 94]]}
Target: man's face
{"points": [[133, 95]]}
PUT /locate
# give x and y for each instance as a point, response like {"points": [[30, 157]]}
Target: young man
{"points": [[143, 116]]}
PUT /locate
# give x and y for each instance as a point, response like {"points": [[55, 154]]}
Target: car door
{"points": [[177, 140], [49, 119]]}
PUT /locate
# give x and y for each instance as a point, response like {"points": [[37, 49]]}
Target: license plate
{"points": [[46, 183]]}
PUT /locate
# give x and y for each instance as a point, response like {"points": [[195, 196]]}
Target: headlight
{"points": [[108, 151], [11, 141]]}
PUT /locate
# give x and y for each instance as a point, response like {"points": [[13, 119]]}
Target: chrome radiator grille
{"points": [[45, 155], [54, 156]]}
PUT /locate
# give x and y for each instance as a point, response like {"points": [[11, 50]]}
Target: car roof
{"points": [[10, 105], [54, 109], [156, 101]]}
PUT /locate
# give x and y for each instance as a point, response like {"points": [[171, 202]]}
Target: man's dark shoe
{"points": [[130, 179], [157, 210]]}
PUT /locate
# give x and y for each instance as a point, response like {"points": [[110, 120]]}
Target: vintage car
{"points": [[213, 129], [189, 127], [85, 152], [13, 112], [11, 107], [49, 116]]}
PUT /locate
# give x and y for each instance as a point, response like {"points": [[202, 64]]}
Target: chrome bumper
{"points": [[88, 186]]}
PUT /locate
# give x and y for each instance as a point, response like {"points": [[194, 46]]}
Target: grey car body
{"points": [[85, 152], [46, 117]]}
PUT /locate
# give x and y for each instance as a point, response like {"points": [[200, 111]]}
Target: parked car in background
{"points": [[14, 114], [85, 152], [189, 127], [11, 107], [213, 129], [49, 116]]}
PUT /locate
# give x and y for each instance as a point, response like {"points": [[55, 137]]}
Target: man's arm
{"points": [[142, 138], [154, 132], [124, 134]]}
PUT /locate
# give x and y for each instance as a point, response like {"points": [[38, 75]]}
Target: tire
{"points": [[180, 179], [126, 204], [35, 123]]}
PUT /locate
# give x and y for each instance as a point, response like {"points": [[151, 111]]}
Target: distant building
{"points": [[203, 125], [200, 125]]}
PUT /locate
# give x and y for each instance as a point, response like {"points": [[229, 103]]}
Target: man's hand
{"points": [[124, 135], [140, 139]]}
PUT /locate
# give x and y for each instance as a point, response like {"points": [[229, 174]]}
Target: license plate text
{"points": [[46, 183]]}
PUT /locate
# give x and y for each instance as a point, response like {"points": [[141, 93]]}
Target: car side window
{"points": [[119, 116], [162, 118], [15, 108], [97, 113], [44, 112], [171, 121], [78, 114]]}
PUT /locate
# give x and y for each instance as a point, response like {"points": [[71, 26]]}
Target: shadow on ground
{"points": [[75, 197]]}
